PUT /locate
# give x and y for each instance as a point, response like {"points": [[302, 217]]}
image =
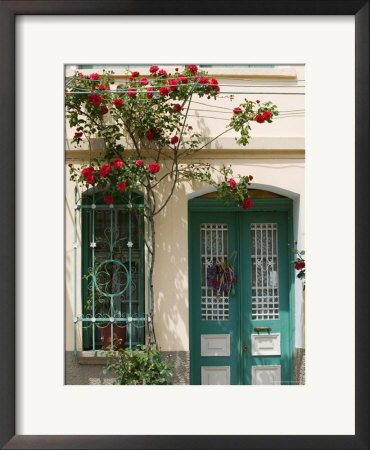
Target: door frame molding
{"points": [[260, 205]]}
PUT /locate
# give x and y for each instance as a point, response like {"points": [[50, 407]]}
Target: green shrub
{"points": [[142, 365]]}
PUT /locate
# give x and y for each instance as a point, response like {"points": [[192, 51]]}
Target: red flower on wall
{"points": [[232, 183], [122, 186], [117, 163], [105, 169], [108, 199], [164, 91], [118, 102], [154, 167], [247, 203]]}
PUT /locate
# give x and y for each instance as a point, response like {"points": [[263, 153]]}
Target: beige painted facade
{"points": [[275, 158]]}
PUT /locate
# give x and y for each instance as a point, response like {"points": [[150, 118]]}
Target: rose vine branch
{"points": [[148, 142]]}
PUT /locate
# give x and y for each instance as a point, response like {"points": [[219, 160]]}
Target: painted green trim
{"points": [[208, 206], [260, 204], [86, 229]]}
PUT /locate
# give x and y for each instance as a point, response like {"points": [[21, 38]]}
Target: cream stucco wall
{"points": [[275, 158]]}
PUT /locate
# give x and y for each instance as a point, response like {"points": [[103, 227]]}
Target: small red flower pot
{"points": [[119, 337]]}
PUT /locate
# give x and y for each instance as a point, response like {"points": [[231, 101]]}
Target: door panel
{"points": [[215, 322], [264, 282], [245, 337]]}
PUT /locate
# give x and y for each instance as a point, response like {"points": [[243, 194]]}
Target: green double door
{"points": [[246, 336]]}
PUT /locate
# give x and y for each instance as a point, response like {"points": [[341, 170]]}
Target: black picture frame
{"points": [[8, 12]]}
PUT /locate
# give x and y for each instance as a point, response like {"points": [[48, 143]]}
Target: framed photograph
{"points": [[166, 187]]}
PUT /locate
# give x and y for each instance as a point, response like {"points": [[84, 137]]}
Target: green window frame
{"points": [[113, 263]]}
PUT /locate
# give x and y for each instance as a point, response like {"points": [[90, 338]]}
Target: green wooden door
{"points": [[247, 336]]}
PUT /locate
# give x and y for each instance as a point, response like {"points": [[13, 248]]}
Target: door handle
{"points": [[245, 347], [258, 329]]}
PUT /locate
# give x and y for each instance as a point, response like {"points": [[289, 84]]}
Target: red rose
{"points": [[91, 180], [204, 80], [303, 264], [154, 167], [174, 140], [118, 102], [139, 162], [257, 101], [87, 172], [232, 183], [144, 81], [266, 115], [81, 75], [250, 177], [237, 111], [94, 76], [69, 165], [193, 68], [149, 93], [173, 84], [135, 74], [117, 163], [162, 72], [122, 186], [104, 109], [104, 170], [177, 107], [108, 199], [215, 85], [183, 79], [190, 127], [153, 69], [259, 118], [95, 99], [164, 91], [247, 203], [101, 86], [131, 92], [176, 69], [78, 135], [131, 78], [149, 135]]}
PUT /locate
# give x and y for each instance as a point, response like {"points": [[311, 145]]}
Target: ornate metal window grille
{"points": [[264, 260], [113, 273], [213, 248]]}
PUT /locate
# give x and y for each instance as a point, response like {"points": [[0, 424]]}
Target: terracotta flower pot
{"points": [[119, 337]]}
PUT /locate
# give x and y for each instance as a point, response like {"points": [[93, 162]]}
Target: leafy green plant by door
{"points": [[142, 365]]}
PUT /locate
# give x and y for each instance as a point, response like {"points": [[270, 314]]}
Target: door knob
{"points": [[245, 347]]}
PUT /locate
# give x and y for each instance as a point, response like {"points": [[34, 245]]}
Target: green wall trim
{"points": [[260, 204]]}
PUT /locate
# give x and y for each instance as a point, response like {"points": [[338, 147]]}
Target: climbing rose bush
{"points": [[148, 113], [143, 124]]}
